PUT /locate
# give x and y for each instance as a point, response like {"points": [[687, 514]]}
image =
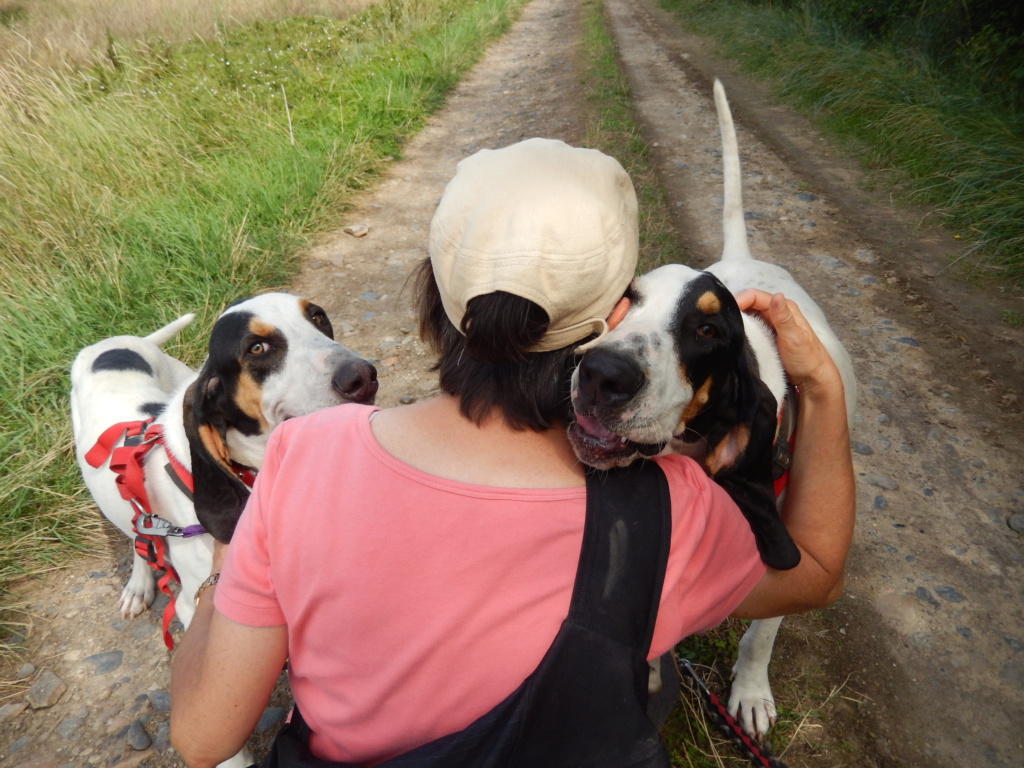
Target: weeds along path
{"points": [[929, 641]]}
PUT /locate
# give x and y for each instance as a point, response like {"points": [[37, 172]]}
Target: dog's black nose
{"points": [[608, 379], [356, 381]]}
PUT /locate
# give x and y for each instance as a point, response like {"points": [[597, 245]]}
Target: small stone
{"points": [[316, 263], [883, 419], [881, 481], [1016, 522], [866, 256], [367, 315], [809, 224], [880, 503], [949, 594], [862, 449], [160, 701], [908, 341], [11, 711], [25, 671], [751, 216], [928, 492], [137, 737], [105, 662], [46, 691], [1015, 645], [69, 727], [406, 399], [387, 362], [965, 632], [271, 716], [925, 596], [17, 746], [807, 197], [369, 296], [162, 737], [357, 230]]}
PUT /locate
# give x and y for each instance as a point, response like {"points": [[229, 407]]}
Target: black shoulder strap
{"points": [[624, 554]]}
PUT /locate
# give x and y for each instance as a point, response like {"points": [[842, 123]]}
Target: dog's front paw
{"points": [[139, 592], [751, 702]]}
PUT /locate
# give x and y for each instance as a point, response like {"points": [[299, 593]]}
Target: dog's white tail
{"points": [[734, 227], [171, 330]]}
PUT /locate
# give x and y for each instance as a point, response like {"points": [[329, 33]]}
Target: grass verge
{"points": [[942, 143], [167, 178]]}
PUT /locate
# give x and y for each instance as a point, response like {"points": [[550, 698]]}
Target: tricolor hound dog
{"points": [[686, 371], [270, 358]]}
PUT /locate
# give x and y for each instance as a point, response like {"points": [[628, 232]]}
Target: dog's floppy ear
{"points": [[219, 495], [740, 430]]}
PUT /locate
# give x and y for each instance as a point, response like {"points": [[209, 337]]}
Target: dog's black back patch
{"points": [[152, 409], [121, 360]]}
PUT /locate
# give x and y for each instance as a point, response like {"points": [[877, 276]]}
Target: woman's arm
{"points": [[221, 679], [820, 497]]}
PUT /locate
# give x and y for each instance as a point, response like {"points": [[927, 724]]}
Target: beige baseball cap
{"points": [[544, 221]]}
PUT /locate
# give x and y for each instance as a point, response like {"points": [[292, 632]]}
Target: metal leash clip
{"points": [[157, 526]]}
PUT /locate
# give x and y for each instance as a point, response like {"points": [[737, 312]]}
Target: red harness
{"points": [[151, 534]]}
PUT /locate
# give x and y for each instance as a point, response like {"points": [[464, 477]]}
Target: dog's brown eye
{"points": [[259, 348], [708, 331]]}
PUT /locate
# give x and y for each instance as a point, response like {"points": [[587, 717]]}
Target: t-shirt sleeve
{"points": [[713, 563], [245, 592]]}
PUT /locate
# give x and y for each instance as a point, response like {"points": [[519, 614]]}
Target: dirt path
{"points": [[929, 641]]}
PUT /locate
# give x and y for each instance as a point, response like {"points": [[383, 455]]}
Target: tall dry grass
{"points": [[55, 34]]}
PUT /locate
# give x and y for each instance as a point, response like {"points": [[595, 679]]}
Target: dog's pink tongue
{"points": [[592, 428]]}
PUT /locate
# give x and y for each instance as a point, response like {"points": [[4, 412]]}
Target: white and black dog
{"points": [[270, 358], [686, 371]]}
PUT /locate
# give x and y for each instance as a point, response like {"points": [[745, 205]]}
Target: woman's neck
{"points": [[434, 437]]}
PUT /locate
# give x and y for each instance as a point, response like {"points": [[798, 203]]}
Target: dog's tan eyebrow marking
{"points": [[697, 402], [261, 328], [249, 397], [709, 304]]}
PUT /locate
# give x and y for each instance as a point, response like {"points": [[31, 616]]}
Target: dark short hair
{"points": [[488, 364]]}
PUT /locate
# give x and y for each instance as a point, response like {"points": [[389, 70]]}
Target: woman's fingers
{"points": [[805, 359]]}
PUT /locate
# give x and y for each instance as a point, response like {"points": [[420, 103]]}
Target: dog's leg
{"points": [[140, 590], [750, 700]]}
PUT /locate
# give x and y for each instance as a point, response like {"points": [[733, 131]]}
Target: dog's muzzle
{"points": [[606, 383]]}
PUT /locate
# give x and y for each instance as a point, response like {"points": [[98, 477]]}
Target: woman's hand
{"points": [[805, 359]]}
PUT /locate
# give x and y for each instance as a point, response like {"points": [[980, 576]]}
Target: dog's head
{"points": [[678, 370], [270, 358], [679, 353]]}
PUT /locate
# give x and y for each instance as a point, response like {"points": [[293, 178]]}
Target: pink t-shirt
{"points": [[415, 604]]}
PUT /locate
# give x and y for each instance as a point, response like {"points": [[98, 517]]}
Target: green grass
{"points": [[174, 178], [946, 143]]}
